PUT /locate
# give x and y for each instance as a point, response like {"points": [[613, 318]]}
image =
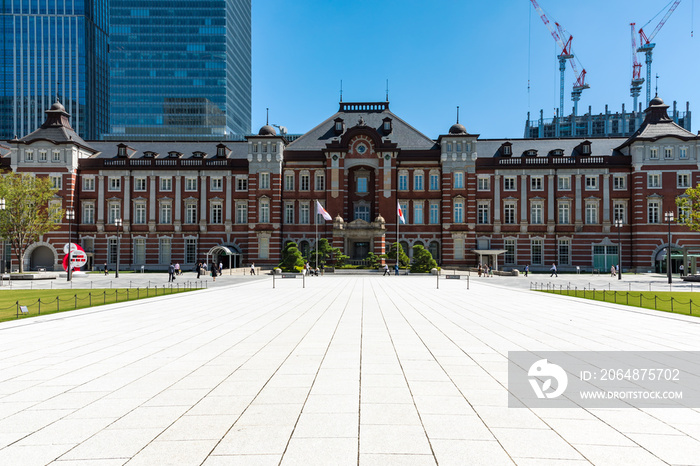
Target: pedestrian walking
{"points": [[199, 269], [221, 267], [106, 269], [171, 272], [213, 271], [386, 271], [612, 271], [252, 268], [177, 268], [396, 269], [527, 269], [554, 270], [680, 269]]}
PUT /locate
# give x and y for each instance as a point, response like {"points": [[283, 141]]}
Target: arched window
{"points": [[434, 249], [304, 248]]}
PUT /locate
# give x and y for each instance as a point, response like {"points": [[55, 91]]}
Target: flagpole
{"points": [[316, 224], [398, 220]]}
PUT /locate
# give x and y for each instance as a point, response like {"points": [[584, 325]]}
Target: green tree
{"points": [[422, 260], [690, 208], [324, 253], [291, 258], [403, 258], [28, 214], [373, 260]]}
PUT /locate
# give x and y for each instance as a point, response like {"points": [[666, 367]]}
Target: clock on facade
{"points": [[361, 148]]}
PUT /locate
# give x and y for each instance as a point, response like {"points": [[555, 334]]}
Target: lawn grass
{"points": [[40, 302], [678, 302]]}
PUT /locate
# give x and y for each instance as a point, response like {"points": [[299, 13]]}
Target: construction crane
{"points": [[566, 54], [637, 80], [647, 46]]}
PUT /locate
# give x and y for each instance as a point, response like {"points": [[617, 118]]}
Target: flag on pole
{"points": [[401, 217], [322, 212]]}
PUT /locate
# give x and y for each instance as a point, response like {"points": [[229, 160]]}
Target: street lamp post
{"points": [[618, 224], [2, 266], [668, 216], [70, 215], [118, 224]]}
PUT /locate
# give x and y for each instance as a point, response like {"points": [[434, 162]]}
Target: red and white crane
{"points": [[646, 45], [637, 80], [559, 34]]}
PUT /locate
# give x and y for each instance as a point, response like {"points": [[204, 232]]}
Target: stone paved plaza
{"points": [[365, 370]]}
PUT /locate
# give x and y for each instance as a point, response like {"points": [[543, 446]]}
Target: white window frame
{"points": [[140, 213], [88, 217], [264, 180], [319, 181], [434, 213], [216, 184], [668, 152], [654, 211], [619, 212], [510, 183], [289, 213], [653, 153], [564, 182], [418, 180], [304, 213], [56, 181], [483, 183], [683, 180], [114, 211], [592, 216], [536, 212], [564, 212], [191, 213], [654, 180], [458, 180], [55, 156], [289, 181], [29, 156], [264, 211], [537, 183], [304, 181], [619, 182], [114, 183], [510, 213], [458, 210], [434, 180], [216, 212], [140, 184], [241, 183], [403, 180], [482, 213], [241, 212], [191, 184], [683, 152], [418, 208], [591, 182], [165, 213], [88, 183], [166, 183]]}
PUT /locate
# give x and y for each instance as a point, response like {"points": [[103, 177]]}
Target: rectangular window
{"points": [[29, 156], [56, 156], [683, 180], [42, 156], [683, 153], [619, 182], [536, 252], [304, 217], [264, 211], [653, 153], [683, 213], [459, 147], [510, 183], [89, 183], [264, 247], [536, 183], [139, 251], [166, 183], [217, 210], [403, 181], [139, 184], [418, 181], [164, 251], [115, 212], [459, 180], [56, 181], [459, 211], [509, 213], [264, 180], [509, 246], [289, 181], [89, 214], [241, 183], [241, 212], [654, 210], [114, 183], [459, 248], [190, 250], [653, 180], [536, 213], [482, 214], [564, 182], [434, 213], [191, 213], [140, 213], [591, 213], [483, 183], [289, 213], [564, 213], [216, 183], [404, 211], [362, 184], [591, 182], [418, 212], [166, 213], [304, 182], [112, 250], [668, 152], [619, 211], [434, 181], [320, 181], [191, 184], [564, 252]]}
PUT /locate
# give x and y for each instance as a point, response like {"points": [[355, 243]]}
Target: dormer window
{"points": [[531, 153], [386, 125], [506, 149], [557, 152], [221, 150], [149, 154], [339, 126], [586, 148], [174, 154], [198, 154], [121, 150]]}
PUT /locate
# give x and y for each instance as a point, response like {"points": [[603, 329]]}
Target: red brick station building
{"points": [[506, 202]]}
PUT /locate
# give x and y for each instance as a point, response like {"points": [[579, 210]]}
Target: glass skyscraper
{"points": [[180, 70], [54, 49]]}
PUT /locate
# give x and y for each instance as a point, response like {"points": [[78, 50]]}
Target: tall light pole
{"points": [[668, 216], [2, 266], [70, 216], [618, 224], [118, 224]]}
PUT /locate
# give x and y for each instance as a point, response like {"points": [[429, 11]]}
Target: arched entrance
{"points": [[660, 260], [42, 257], [229, 256]]}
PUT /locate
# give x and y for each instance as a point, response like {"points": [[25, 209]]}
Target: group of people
{"points": [[308, 270], [485, 269], [173, 271]]}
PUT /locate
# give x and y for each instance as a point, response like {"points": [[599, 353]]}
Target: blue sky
{"points": [[441, 54]]}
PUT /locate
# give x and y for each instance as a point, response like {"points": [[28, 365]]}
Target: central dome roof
{"points": [[267, 130], [458, 129]]}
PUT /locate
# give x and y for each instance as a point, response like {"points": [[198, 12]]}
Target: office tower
{"points": [[54, 50], [180, 70]]}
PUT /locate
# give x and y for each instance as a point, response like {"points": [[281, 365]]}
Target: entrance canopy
{"points": [[233, 253], [494, 253]]}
